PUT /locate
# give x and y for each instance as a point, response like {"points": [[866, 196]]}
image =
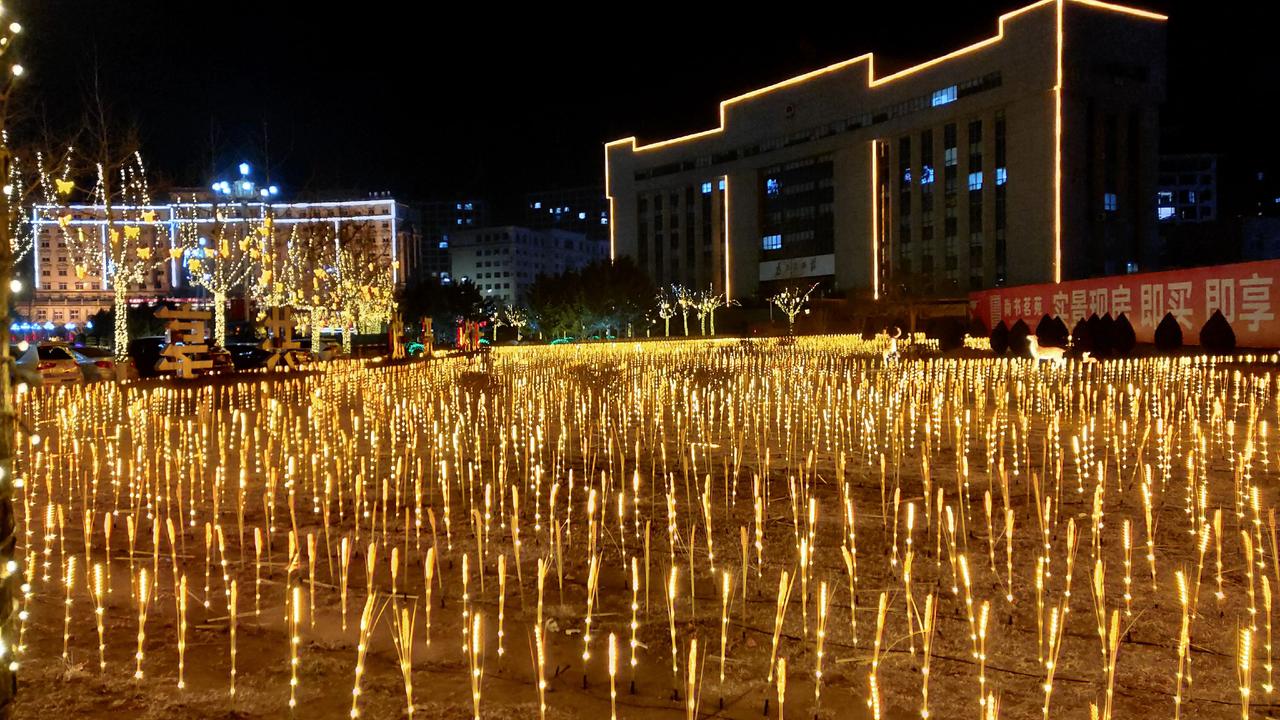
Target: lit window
{"points": [[721, 183], [1109, 202], [459, 206], [1131, 267], [949, 157], [772, 242], [906, 176], [926, 175], [944, 96], [1002, 176], [975, 181], [1165, 213], [444, 244], [468, 206], [537, 205], [582, 216], [771, 186], [604, 221], [706, 188]]}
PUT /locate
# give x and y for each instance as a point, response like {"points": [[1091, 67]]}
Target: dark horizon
{"points": [[391, 101]]}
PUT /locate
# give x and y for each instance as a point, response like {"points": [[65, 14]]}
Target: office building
{"points": [[1027, 157], [439, 220], [1187, 188], [503, 261], [579, 209]]}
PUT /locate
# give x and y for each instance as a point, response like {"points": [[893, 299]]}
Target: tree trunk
{"points": [[8, 438], [346, 338], [713, 322], [220, 319], [685, 315], [121, 321], [316, 337], [666, 327]]}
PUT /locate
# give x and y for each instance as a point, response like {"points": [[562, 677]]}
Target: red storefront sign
{"points": [[1244, 292]]}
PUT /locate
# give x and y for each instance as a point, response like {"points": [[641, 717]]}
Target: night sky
{"points": [[488, 101]]}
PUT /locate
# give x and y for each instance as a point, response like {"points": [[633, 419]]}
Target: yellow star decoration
{"points": [[133, 232], [144, 253], [65, 186]]}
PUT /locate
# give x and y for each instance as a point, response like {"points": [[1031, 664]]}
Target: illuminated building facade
{"points": [[1027, 157], [61, 297], [503, 261]]}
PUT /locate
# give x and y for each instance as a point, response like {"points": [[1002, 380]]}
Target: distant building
{"points": [[61, 297], [581, 209], [1187, 188], [440, 219], [503, 261], [856, 180]]}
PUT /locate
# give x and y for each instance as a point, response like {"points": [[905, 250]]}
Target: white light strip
{"points": [[211, 221]]}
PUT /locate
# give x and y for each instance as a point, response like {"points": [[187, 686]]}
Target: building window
{"points": [[771, 186], [1002, 175], [706, 188], [1165, 213], [926, 175], [975, 181], [772, 242], [1109, 202], [722, 183], [944, 96]]}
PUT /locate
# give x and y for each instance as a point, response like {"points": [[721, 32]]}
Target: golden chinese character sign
{"points": [[185, 350], [280, 342], [1242, 291]]}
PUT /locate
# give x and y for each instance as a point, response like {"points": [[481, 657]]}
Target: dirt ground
{"points": [[689, 435]]}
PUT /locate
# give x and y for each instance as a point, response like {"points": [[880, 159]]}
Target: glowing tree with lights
{"points": [[791, 302], [707, 302], [666, 310], [685, 300], [293, 274], [126, 243], [363, 289], [15, 243], [517, 317], [221, 260]]}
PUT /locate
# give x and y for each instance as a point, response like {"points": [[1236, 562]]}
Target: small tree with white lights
{"points": [[791, 303], [666, 310]]}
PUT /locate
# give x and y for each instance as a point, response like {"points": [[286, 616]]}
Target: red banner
{"points": [[1242, 291]]}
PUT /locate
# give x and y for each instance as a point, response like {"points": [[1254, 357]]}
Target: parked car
{"points": [[95, 363], [23, 373], [53, 362]]}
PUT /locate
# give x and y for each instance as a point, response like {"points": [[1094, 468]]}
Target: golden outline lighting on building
{"points": [[1044, 201]]}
